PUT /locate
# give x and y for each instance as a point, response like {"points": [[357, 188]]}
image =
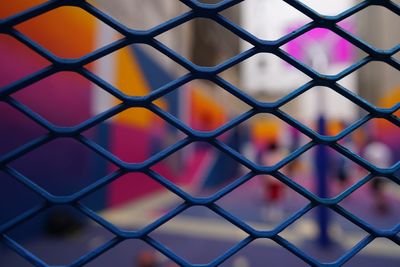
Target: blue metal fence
{"points": [[209, 73]]}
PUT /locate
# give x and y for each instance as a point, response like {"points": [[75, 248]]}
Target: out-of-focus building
{"points": [[202, 41], [144, 15], [207, 43], [379, 26]]}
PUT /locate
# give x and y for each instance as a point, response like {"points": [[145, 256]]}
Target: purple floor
{"points": [[246, 203], [195, 250]]}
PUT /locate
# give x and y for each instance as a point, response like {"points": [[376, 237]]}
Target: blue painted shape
{"points": [[98, 200], [156, 76], [224, 169], [321, 173]]}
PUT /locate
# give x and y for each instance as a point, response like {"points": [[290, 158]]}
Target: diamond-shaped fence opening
{"points": [[149, 14], [64, 43], [320, 48], [104, 151], [265, 139], [120, 127], [377, 146], [379, 246], [130, 206], [183, 223], [344, 235], [205, 112], [323, 98], [342, 172], [11, 186], [46, 166], [368, 72], [216, 41], [136, 67], [71, 94], [203, 168], [23, 54], [13, 125], [266, 82], [63, 222], [269, 29], [274, 202], [384, 201], [373, 12]]}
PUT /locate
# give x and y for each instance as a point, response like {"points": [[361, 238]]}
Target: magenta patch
{"points": [[17, 61], [338, 49]]}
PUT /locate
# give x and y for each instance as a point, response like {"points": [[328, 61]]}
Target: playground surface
{"points": [[199, 235]]}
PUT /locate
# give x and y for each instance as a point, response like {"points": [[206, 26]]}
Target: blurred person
{"points": [[272, 188], [343, 170], [146, 258], [246, 146], [293, 143], [343, 173], [248, 151], [380, 155]]}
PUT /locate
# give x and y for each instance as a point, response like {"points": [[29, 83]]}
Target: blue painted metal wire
{"points": [[210, 73]]}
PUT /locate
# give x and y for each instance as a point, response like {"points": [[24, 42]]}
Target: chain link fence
{"points": [[131, 36]]}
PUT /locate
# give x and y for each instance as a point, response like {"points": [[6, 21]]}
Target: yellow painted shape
{"points": [[130, 80], [206, 110], [68, 32], [387, 101], [334, 127], [12, 7], [266, 129], [390, 99]]}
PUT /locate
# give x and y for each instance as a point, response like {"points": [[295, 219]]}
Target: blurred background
{"points": [[59, 235]]}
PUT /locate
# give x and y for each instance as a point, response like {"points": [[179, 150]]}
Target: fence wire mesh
{"points": [[131, 36]]}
